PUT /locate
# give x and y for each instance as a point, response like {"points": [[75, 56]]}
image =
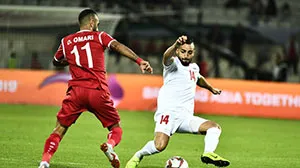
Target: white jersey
{"points": [[177, 94]]}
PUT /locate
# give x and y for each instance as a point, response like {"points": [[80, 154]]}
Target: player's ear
{"points": [[177, 51], [92, 21]]}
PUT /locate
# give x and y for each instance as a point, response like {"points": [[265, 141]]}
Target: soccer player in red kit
{"points": [[83, 51]]}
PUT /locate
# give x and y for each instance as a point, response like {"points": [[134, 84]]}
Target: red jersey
{"points": [[84, 51]]}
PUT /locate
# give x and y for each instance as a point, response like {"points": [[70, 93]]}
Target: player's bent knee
{"points": [[113, 126], [60, 129], [216, 125], [207, 125], [212, 124]]}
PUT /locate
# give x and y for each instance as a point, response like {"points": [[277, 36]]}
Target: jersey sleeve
{"points": [[105, 39], [197, 74], [60, 55], [171, 67]]}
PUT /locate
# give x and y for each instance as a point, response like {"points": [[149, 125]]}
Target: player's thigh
{"points": [[191, 124], [71, 107], [166, 123], [101, 104]]}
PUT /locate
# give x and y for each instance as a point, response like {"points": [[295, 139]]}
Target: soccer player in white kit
{"points": [[175, 106]]}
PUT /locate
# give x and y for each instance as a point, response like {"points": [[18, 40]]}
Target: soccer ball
{"points": [[176, 162]]}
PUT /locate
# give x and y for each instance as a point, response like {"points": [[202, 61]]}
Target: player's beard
{"points": [[185, 61]]}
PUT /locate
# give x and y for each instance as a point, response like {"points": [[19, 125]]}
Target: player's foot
{"points": [[111, 155], [44, 164], [133, 162], [212, 158]]}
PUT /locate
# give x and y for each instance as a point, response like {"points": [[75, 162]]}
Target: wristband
{"points": [[139, 60]]}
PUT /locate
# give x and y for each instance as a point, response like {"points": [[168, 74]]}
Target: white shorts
{"points": [[169, 124]]}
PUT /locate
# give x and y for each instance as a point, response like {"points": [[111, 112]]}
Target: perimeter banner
{"points": [[139, 92]]}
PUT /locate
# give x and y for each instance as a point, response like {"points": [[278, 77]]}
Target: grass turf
{"points": [[246, 142]]}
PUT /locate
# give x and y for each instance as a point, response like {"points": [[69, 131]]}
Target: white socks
{"points": [[148, 149], [211, 142], [211, 139]]}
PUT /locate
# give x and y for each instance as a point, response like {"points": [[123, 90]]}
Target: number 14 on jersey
{"points": [[164, 119]]}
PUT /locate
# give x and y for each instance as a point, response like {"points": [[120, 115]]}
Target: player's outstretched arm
{"points": [[125, 51], [202, 82], [167, 58], [62, 63]]}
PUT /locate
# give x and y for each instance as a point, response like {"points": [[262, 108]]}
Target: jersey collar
{"points": [[84, 31]]}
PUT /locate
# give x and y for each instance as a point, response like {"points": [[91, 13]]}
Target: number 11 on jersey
{"points": [[88, 52]]}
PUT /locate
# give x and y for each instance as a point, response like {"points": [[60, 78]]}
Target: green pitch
{"points": [[246, 142]]}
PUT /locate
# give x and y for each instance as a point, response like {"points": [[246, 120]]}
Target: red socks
{"points": [[114, 136], [51, 146]]}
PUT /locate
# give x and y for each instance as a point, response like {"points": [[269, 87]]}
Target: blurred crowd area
{"points": [[238, 39], [257, 12]]}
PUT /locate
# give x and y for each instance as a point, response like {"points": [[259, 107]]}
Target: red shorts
{"points": [[80, 99]]}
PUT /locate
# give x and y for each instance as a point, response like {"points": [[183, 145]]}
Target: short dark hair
{"points": [[83, 14]]}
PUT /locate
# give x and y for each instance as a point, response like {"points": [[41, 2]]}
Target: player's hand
{"points": [[181, 40], [216, 91], [145, 66]]}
